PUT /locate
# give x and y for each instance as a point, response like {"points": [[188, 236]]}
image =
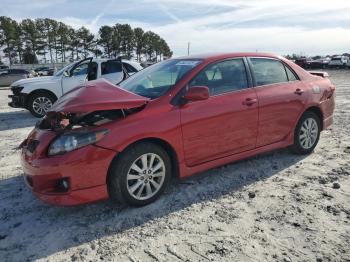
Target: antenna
{"points": [[188, 48]]}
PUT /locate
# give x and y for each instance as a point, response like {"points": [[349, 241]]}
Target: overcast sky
{"points": [[279, 26]]}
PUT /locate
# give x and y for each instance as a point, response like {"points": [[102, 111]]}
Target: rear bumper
{"points": [[18, 100], [327, 122]]}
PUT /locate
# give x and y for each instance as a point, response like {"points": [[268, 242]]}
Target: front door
{"points": [[77, 75], [224, 124]]}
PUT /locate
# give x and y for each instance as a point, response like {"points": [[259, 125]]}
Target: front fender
{"points": [[51, 86]]}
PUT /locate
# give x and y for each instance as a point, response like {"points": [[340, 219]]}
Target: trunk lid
{"points": [[97, 95]]}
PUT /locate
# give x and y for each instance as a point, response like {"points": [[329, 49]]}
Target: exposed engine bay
{"points": [[59, 121]]}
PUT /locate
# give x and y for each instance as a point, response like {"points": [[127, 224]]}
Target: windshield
{"points": [[60, 72], [156, 80]]}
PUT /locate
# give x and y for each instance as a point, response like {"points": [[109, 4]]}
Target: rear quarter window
{"points": [[290, 74], [129, 68]]}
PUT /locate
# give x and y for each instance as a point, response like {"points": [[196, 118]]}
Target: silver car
{"points": [[8, 76]]}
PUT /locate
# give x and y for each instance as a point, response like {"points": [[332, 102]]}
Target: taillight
{"points": [[331, 91]]}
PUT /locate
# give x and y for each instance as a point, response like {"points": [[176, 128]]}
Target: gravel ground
{"points": [[273, 207]]}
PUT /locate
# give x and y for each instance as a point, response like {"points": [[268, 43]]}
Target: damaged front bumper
{"points": [[18, 99], [75, 178]]}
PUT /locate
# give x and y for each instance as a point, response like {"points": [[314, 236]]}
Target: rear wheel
{"points": [[40, 103], [307, 133], [140, 174]]}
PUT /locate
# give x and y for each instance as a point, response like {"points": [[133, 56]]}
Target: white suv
{"points": [[338, 61], [38, 94]]}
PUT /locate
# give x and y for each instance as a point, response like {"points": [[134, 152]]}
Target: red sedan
{"points": [[173, 119]]}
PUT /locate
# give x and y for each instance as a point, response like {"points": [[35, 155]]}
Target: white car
{"points": [[348, 64], [38, 94], [338, 61]]}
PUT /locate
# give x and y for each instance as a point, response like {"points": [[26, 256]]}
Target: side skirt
{"points": [[186, 171]]}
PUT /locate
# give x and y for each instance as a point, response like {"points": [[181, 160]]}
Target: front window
{"points": [[222, 77], [80, 69], [60, 72], [156, 80]]}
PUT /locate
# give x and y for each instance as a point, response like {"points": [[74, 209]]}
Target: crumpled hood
{"points": [[97, 95], [33, 80]]}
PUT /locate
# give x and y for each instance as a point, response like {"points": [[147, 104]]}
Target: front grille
{"points": [[32, 145]]}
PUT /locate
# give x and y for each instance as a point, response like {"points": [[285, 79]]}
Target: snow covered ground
{"points": [[273, 207]]}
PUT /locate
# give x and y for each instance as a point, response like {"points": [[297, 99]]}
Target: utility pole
{"points": [[188, 48]]}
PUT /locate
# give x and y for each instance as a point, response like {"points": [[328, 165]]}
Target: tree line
{"points": [[26, 41]]}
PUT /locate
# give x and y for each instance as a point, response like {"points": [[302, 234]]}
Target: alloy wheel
{"points": [[145, 176], [308, 133], [41, 105]]}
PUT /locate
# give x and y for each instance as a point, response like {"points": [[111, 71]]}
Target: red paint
{"points": [[97, 95], [203, 134]]}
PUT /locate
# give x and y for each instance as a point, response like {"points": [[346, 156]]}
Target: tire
{"points": [[307, 133], [127, 185], [46, 100]]}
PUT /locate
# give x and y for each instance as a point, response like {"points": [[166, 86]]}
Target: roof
{"points": [[215, 56], [107, 59]]}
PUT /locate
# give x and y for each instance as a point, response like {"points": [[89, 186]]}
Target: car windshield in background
{"points": [[156, 80]]}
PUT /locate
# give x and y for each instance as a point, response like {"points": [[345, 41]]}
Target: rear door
{"points": [[226, 123], [281, 99]]}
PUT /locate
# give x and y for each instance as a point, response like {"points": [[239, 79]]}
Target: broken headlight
{"points": [[74, 140]]}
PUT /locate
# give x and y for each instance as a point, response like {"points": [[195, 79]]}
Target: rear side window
{"points": [[111, 66], [222, 77], [268, 71]]}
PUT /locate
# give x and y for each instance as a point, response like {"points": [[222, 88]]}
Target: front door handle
{"points": [[299, 91], [249, 101]]}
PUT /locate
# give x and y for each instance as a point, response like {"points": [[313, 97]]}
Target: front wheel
{"points": [[307, 133], [40, 103], [139, 175]]}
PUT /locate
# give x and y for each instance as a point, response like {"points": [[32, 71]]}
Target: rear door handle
{"points": [[298, 91], [249, 101]]}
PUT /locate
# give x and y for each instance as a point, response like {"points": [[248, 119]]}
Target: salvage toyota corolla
{"points": [[173, 119]]}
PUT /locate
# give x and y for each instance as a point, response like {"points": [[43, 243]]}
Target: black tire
{"points": [[35, 96], [297, 147], [117, 182]]}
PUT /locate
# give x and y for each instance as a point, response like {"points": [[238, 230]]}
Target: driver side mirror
{"points": [[197, 93], [66, 73]]}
